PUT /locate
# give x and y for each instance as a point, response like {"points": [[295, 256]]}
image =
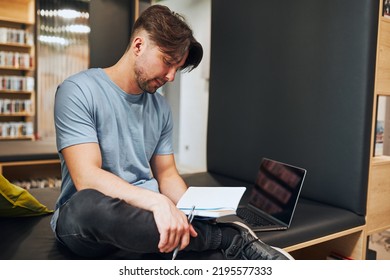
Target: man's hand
{"points": [[171, 222], [172, 225]]}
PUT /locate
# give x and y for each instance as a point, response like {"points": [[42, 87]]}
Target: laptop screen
{"points": [[277, 189]]}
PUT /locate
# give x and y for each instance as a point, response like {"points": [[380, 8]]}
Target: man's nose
{"points": [[170, 76]]}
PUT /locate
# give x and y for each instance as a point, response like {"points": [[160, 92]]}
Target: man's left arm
{"points": [[170, 182], [171, 185]]}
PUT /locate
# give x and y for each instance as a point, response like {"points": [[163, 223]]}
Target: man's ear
{"points": [[138, 45]]}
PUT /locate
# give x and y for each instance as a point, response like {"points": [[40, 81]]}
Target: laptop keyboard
{"points": [[252, 218]]}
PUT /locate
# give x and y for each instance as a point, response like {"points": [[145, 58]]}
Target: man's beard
{"points": [[144, 84]]}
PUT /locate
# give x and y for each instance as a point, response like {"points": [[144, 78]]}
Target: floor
{"points": [[380, 243]]}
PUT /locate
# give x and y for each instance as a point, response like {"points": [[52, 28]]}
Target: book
{"points": [[211, 202], [337, 256]]}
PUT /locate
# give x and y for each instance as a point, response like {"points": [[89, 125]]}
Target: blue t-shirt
{"points": [[129, 129]]}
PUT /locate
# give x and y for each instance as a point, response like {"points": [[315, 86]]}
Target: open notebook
{"points": [[212, 202]]}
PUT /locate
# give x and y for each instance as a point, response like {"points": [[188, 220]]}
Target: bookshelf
{"points": [[17, 69]]}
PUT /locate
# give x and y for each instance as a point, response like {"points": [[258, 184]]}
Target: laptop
{"points": [[273, 198]]}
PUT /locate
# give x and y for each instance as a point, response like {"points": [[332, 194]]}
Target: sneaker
{"points": [[247, 246]]}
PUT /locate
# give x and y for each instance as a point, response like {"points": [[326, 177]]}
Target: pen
{"points": [[190, 218]]}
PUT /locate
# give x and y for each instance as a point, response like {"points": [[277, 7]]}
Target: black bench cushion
{"points": [[31, 237], [311, 220]]}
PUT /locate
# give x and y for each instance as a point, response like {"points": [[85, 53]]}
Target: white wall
{"points": [[192, 108]]}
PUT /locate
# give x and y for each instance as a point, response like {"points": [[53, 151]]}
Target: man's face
{"points": [[154, 68]]}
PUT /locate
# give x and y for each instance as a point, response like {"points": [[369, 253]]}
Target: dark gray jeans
{"points": [[94, 225]]}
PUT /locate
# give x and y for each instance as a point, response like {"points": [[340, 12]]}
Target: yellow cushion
{"points": [[18, 202]]}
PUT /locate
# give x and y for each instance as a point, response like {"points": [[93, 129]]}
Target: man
{"points": [[114, 137]]}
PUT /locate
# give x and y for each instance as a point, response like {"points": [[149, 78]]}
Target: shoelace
{"points": [[242, 248]]}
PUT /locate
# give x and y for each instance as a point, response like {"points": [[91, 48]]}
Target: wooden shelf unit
{"points": [[350, 243], [17, 70], [378, 206], [31, 169], [19, 11]]}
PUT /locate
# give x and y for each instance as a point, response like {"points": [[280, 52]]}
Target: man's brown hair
{"points": [[170, 32]]}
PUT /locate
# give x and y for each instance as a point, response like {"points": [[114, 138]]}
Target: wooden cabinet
{"points": [[17, 69]]}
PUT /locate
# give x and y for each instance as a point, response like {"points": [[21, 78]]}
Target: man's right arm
{"points": [[84, 165]]}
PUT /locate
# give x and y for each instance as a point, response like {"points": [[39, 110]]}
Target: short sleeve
{"points": [[165, 145], [73, 114]]}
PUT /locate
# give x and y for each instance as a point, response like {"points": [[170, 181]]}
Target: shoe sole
{"points": [[280, 250]]}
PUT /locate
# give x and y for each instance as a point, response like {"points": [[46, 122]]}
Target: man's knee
{"points": [[81, 207]]}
